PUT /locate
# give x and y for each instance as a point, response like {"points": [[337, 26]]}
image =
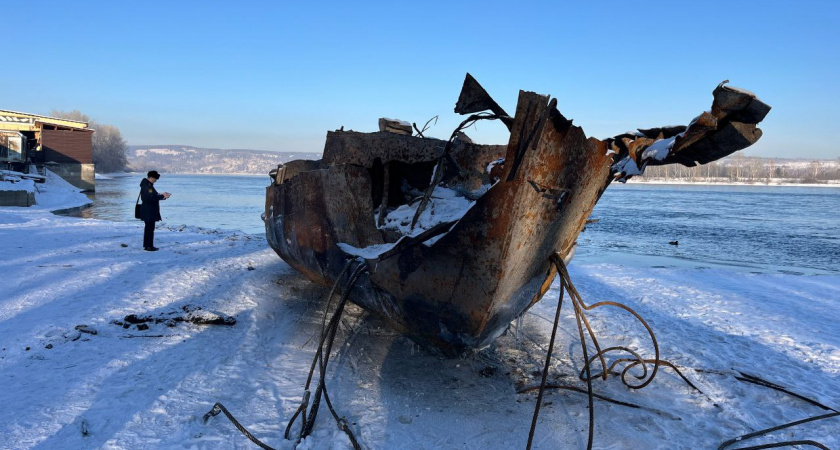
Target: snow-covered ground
{"points": [[53, 194], [130, 388]]}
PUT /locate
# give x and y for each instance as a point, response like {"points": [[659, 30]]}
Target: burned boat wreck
{"points": [[456, 238]]}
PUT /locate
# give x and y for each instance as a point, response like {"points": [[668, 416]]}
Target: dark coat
{"points": [[150, 209]]}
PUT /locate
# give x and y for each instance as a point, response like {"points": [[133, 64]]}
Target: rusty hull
{"points": [[462, 291]]}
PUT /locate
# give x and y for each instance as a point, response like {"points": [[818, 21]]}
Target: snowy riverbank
{"points": [[131, 388]]}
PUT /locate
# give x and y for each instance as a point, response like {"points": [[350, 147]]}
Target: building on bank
{"points": [[63, 146]]}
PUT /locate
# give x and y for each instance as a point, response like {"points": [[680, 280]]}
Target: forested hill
{"points": [[186, 159]]}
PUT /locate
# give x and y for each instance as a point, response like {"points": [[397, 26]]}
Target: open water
{"points": [[230, 202], [753, 228], [786, 229]]}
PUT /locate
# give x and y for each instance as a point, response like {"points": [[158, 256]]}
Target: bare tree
{"points": [[109, 147], [754, 169], [771, 169], [737, 171], [72, 115], [814, 171]]}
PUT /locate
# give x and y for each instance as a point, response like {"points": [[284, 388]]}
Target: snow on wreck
{"points": [[455, 238]]}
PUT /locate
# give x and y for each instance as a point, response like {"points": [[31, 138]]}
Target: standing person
{"points": [[150, 209]]}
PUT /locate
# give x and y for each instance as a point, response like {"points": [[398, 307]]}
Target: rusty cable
{"points": [[545, 371], [425, 127], [558, 262], [301, 410], [322, 357], [328, 332], [327, 308], [662, 363], [578, 313], [637, 360], [747, 378], [786, 444], [304, 404], [598, 353], [579, 390], [220, 408], [777, 428], [586, 374], [437, 174]]}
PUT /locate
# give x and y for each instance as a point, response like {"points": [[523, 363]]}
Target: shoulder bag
{"points": [[137, 208]]}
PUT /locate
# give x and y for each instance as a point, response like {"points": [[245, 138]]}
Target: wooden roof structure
{"points": [[52, 139], [18, 121]]}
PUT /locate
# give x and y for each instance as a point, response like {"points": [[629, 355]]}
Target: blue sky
{"points": [[278, 75]]}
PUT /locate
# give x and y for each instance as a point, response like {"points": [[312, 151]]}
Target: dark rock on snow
{"points": [[187, 313], [86, 329]]}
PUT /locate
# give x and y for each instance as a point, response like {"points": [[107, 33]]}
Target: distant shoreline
{"points": [[638, 180]]}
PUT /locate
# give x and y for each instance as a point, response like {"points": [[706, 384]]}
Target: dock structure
{"points": [[63, 146]]}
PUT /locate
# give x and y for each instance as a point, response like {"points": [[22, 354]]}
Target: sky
{"points": [[277, 75]]}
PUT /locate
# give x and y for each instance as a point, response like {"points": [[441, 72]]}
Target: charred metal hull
{"points": [[457, 285]]}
